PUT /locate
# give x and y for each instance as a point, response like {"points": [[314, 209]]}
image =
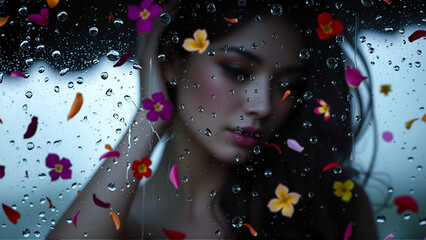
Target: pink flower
{"points": [[40, 19], [324, 109], [353, 77], [60, 167], [144, 14], [158, 108]]}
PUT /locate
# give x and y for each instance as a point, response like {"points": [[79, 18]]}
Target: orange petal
{"points": [[284, 96], [293, 197], [190, 45], [281, 191], [288, 210], [52, 3], [252, 231], [79, 193], [107, 146], [116, 219], [275, 205], [424, 118], [78, 101], [409, 123], [233, 20], [3, 20]]}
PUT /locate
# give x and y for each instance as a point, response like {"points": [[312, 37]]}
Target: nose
{"points": [[258, 101]]}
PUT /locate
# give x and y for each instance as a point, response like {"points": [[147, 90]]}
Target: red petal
{"points": [[32, 127], [146, 161], [274, 146], [416, 35], [336, 28], [330, 165], [123, 59], [321, 34], [100, 203], [11, 213], [405, 203], [50, 202], [174, 235], [324, 18]]}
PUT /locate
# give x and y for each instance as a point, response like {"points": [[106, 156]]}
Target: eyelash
{"points": [[235, 71]]}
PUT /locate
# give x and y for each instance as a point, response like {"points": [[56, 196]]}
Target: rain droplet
{"points": [[37, 234], [62, 16], [381, 219], [241, 3], [217, 232], [111, 186], [211, 8], [200, 109], [211, 52], [307, 124], [80, 80], [313, 139], [93, 31], [161, 57], [24, 45], [257, 18], [57, 143], [42, 176], [237, 222], [268, 173], [70, 85], [256, 149], [422, 222], [417, 64], [240, 78], [118, 22], [276, 10], [367, 3], [26, 233], [23, 10], [109, 92], [40, 48], [173, 82], [307, 95], [25, 107], [30, 146], [388, 29], [419, 168], [28, 94], [238, 157], [332, 63], [113, 55], [207, 132], [175, 39], [165, 18], [304, 54], [56, 54], [214, 115], [407, 216], [337, 170], [184, 179], [212, 193], [187, 151], [236, 189], [104, 75], [396, 68]]}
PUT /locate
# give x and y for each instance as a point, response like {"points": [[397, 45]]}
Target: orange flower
{"points": [[343, 190], [325, 108], [198, 43], [141, 168], [285, 201], [328, 27]]}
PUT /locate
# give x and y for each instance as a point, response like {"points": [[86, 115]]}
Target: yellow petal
{"points": [[287, 210], [52, 3], [275, 205], [190, 45], [347, 197], [200, 36], [349, 184], [339, 192], [337, 184], [293, 197], [281, 191], [204, 46]]}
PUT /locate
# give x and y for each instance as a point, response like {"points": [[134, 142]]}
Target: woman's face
{"points": [[234, 93]]}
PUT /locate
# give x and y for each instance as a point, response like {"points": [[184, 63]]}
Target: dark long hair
{"points": [[319, 214]]}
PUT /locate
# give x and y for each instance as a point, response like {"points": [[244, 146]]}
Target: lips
{"points": [[245, 136]]}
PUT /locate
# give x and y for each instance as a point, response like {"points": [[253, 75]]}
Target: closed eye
{"points": [[235, 71]]}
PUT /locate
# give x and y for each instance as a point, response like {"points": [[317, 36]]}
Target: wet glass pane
{"points": [[212, 119]]}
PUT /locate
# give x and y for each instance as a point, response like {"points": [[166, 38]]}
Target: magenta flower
{"points": [[353, 77], [145, 14], [60, 167], [1, 171], [158, 108]]}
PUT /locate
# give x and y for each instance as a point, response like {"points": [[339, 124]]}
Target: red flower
{"points": [[141, 168], [328, 27]]}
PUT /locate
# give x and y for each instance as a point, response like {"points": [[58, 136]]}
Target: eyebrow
{"points": [[257, 60]]}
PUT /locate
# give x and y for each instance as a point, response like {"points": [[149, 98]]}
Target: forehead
{"points": [[271, 39]]}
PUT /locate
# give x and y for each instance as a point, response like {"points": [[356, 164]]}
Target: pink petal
{"points": [[134, 12], [2, 171], [65, 162], [154, 11], [123, 59], [293, 144], [158, 97], [44, 13], [389, 237], [100, 203], [165, 115], [387, 136], [54, 175], [145, 4], [327, 116], [318, 110], [66, 173], [148, 104], [74, 219], [152, 116], [174, 177], [18, 74], [348, 231], [37, 18], [353, 77], [144, 25], [110, 154], [51, 160]]}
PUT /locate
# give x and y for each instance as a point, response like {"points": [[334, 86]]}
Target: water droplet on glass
{"points": [[184, 179], [313, 139], [396, 68], [211, 8], [276, 10], [381, 219], [57, 143], [93, 31], [80, 80], [307, 95], [217, 232], [104, 75], [241, 3], [254, 194], [311, 194], [232, 91], [214, 115], [109, 92], [23, 10], [268, 173], [417, 64], [422, 222], [37, 234], [175, 39], [40, 48], [240, 78], [207, 132], [419, 52], [337, 170], [407, 216], [111, 186], [42, 176], [212, 193], [30, 146], [41, 214], [304, 54], [236, 189], [238, 157], [70, 85], [161, 57], [118, 22], [28, 94], [69, 220], [62, 16], [165, 18], [367, 3], [113, 55], [200, 109], [332, 63], [237, 222], [257, 18], [211, 52], [256, 149], [118, 130], [26, 233], [24, 45], [338, 5], [56, 54]]}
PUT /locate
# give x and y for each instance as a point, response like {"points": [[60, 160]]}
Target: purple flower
{"points": [[158, 108], [60, 167], [145, 14]]}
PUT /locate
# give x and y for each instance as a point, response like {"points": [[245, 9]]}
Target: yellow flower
{"points": [[285, 201], [343, 189], [198, 43]]}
